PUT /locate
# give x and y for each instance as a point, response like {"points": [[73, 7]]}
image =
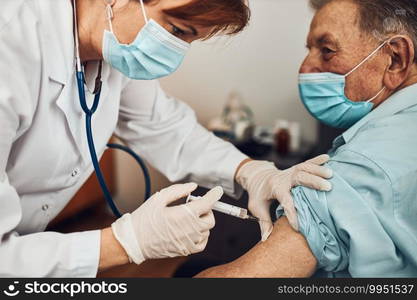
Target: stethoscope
{"points": [[89, 112]]}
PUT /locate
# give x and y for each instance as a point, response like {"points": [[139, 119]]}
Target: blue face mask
{"points": [[323, 94], [154, 53]]}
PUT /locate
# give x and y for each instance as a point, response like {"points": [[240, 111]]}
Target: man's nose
{"points": [[310, 65]]}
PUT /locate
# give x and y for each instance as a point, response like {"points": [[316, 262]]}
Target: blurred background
{"points": [[245, 88]]}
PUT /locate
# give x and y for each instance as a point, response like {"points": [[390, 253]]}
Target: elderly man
{"points": [[361, 73]]}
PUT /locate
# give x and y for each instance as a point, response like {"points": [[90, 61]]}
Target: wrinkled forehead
{"points": [[337, 21]]}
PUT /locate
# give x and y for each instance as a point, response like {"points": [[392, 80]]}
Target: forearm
{"points": [[284, 254], [160, 120], [111, 252]]}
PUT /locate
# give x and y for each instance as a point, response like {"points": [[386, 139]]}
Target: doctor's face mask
{"points": [[153, 54]]}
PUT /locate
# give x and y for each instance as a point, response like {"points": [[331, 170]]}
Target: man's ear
{"points": [[401, 52]]}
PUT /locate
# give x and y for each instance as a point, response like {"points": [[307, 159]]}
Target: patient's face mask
{"points": [[154, 53], [323, 94]]}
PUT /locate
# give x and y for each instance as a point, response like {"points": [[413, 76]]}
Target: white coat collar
{"points": [[57, 18], [57, 22]]}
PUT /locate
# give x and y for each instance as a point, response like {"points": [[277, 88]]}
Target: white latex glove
{"points": [[264, 183], [155, 230]]}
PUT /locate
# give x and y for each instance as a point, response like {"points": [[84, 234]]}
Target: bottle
{"points": [[282, 137]]}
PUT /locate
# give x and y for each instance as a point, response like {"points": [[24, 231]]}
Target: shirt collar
{"points": [[398, 102]]}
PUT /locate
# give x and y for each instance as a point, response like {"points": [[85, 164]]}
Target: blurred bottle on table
{"points": [[282, 137], [287, 137]]}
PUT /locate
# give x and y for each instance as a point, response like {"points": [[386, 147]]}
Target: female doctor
{"points": [[44, 156]]}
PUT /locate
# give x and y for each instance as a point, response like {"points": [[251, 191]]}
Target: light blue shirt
{"points": [[367, 225]]}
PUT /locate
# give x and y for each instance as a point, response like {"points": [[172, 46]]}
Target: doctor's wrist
{"points": [[240, 166], [112, 253]]}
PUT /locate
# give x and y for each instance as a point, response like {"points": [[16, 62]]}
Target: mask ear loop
{"points": [[376, 96], [109, 15], [366, 59], [144, 11], [383, 89]]}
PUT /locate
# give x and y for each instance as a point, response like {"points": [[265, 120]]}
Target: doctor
{"points": [[44, 157]]}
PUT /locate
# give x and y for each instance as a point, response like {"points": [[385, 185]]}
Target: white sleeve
{"points": [[38, 254], [165, 132]]}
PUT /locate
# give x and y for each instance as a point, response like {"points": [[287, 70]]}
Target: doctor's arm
{"points": [[24, 251], [165, 132]]}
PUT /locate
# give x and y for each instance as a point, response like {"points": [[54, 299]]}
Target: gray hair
{"points": [[383, 18]]}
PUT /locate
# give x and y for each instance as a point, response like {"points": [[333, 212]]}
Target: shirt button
{"points": [[45, 207], [74, 173]]}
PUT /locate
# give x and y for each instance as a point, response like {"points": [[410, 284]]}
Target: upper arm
{"points": [[285, 254], [166, 133], [353, 227], [19, 82], [348, 227], [20, 63], [149, 120]]}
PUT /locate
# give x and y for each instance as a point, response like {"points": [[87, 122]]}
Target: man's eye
{"points": [[326, 50], [177, 31], [327, 53]]}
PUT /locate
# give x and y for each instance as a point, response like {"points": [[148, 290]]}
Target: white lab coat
{"points": [[44, 157]]}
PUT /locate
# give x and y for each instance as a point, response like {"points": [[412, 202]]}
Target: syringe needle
{"points": [[253, 218]]}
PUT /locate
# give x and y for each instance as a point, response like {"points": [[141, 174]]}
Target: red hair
{"points": [[225, 16]]}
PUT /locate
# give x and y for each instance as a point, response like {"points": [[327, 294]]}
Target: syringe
{"points": [[228, 209]]}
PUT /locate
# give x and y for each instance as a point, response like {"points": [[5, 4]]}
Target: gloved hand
{"points": [[155, 230], [264, 183]]}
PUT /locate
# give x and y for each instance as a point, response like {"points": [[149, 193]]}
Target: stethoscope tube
{"points": [[89, 112], [140, 162]]}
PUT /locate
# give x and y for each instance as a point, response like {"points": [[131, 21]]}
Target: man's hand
{"points": [[264, 183]]}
